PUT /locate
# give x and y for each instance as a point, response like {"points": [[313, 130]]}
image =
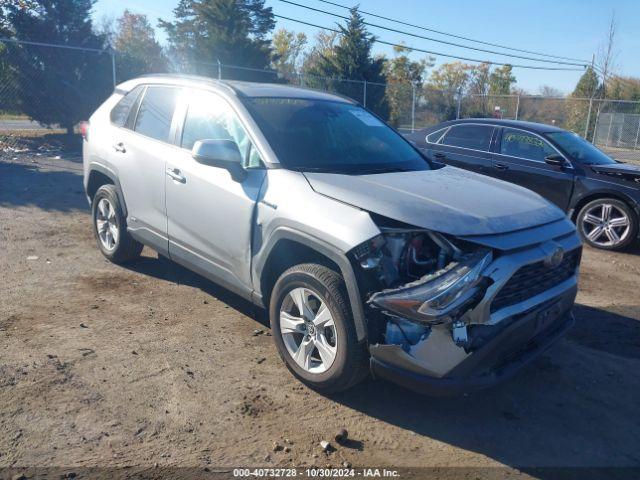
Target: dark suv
{"points": [[599, 193]]}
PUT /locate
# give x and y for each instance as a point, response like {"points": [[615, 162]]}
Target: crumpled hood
{"points": [[621, 171], [448, 200]]}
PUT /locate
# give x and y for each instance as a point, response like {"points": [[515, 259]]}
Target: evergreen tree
{"points": [[232, 32], [501, 80], [138, 52], [351, 59], [56, 86], [577, 107], [587, 86]]}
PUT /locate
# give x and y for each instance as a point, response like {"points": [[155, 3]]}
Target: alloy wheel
{"points": [[106, 224], [606, 225], [308, 330]]}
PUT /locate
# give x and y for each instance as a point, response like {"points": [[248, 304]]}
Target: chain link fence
{"points": [[45, 90]]}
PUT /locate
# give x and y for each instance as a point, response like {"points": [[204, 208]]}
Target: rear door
{"points": [[519, 157], [466, 146], [141, 153]]}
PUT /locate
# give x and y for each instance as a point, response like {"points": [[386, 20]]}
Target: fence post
{"points": [[459, 102], [413, 107], [219, 70], [586, 127], [609, 132], [113, 67], [517, 106], [364, 94], [635, 144]]}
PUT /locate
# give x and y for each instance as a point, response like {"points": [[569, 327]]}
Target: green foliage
{"points": [[501, 80], [229, 31], [351, 59], [287, 50], [55, 86], [404, 78], [138, 52]]}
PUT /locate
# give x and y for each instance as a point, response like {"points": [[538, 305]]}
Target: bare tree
{"points": [[606, 58]]}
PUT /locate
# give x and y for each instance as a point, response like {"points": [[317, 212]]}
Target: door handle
{"points": [[440, 156], [119, 147], [501, 166], [174, 173]]}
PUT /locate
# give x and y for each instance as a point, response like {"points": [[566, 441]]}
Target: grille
{"points": [[534, 279]]}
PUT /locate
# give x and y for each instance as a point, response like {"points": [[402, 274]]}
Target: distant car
{"points": [[599, 193]]}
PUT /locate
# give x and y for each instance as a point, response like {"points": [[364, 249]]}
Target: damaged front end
{"points": [[426, 297]]}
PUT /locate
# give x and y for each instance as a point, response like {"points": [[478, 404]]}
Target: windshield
{"points": [[581, 150], [336, 137]]}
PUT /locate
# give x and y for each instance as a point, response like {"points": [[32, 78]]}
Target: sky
{"points": [[568, 28]]}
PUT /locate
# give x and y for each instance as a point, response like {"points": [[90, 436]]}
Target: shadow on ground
{"points": [[572, 407], [50, 190]]}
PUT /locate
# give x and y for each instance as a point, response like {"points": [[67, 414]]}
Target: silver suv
{"points": [[367, 257]]}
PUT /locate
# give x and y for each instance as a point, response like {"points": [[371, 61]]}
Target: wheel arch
{"points": [[100, 175], [288, 247], [599, 195]]}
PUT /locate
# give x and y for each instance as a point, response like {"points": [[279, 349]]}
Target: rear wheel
{"points": [[313, 328], [607, 223], [110, 227]]}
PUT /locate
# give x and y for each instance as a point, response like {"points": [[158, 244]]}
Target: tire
{"points": [[599, 214], [350, 362], [117, 244]]}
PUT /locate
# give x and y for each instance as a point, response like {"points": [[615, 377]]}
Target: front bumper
{"points": [[512, 348], [509, 336]]}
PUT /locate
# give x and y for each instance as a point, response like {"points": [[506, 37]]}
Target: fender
{"points": [[106, 171], [326, 249]]}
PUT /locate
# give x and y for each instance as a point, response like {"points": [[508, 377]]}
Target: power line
{"points": [[454, 35], [431, 52], [557, 62]]}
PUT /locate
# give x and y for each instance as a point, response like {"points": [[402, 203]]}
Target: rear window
{"points": [[476, 137], [156, 112], [435, 136], [120, 112]]}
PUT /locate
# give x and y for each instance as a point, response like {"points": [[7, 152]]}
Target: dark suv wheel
{"points": [[110, 227], [607, 223], [313, 328]]}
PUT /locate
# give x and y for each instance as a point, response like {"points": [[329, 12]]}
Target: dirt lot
{"points": [[102, 365]]}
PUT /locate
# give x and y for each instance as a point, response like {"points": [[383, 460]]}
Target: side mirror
{"points": [[220, 153], [555, 160]]}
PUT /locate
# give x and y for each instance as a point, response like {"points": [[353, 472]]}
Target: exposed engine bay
{"points": [[418, 286]]}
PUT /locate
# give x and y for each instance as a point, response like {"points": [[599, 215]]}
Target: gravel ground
{"points": [[151, 365]]}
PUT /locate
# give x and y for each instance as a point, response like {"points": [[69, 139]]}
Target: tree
{"points": [[351, 59], [138, 52], [232, 32], [404, 79], [445, 85], [549, 91], [325, 42], [607, 55], [287, 50], [501, 80], [55, 86]]}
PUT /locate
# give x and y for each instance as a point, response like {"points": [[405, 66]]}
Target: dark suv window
{"points": [[156, 112], [518, 143], [476, 137], [120, 112]]}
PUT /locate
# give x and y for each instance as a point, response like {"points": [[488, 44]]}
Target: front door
{"points": [[520, 158], [210, 215]]}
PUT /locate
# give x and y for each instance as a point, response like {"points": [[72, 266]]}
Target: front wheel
{"points": [[608, 224], [313, 328]]}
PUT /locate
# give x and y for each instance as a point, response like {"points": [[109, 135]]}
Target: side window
{"points": [[120, 112], [518, 143], [156, 112], [435, 136], [209, 117], [476, 137]]}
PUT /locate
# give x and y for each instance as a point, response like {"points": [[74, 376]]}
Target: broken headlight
{"points": [[440, 296]]}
